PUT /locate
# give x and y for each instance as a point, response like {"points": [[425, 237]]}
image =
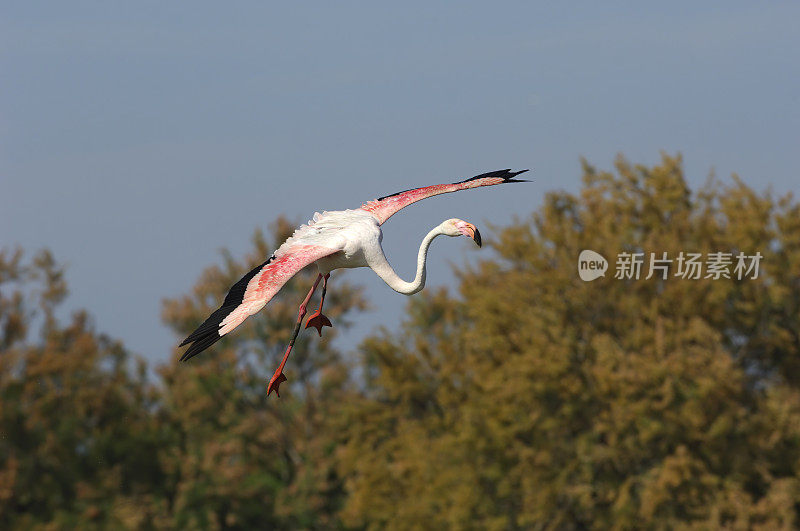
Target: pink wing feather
{"points": [[253, 292], [384, 207]]}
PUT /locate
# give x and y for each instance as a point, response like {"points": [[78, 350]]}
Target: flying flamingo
{"points": [[333, 240]]}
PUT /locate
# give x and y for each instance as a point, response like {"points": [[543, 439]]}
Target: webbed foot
{"points": [[277, 379], [317, 321]]}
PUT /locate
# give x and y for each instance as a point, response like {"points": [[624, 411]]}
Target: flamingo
{"points": [[333, 240]]}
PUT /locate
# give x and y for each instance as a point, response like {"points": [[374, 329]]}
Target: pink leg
{"points": [[317, 320], [279, 377]]}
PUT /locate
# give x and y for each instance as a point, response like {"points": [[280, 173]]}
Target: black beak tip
{"points": [[477, 237]]}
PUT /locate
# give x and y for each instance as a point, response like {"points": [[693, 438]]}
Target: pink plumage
{"points": [[333, 240]]}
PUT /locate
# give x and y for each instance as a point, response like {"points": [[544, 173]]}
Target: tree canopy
{"points": [[527, 399]]}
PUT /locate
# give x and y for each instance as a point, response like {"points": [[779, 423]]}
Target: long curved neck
{"points": [[385, 271]]}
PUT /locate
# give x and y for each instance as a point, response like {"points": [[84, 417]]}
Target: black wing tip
{"points": [[506, 174], [208, 333], [200, 344]]}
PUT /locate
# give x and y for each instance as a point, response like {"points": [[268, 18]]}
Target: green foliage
{"points": [[537, 400], [529, 400], [85, 442], [75, 420], [236, 458]]}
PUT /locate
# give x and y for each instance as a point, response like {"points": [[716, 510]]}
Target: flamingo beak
{"points": [[472, 232]]}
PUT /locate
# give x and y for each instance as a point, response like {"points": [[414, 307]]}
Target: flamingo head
{"points": [[459, 227]]}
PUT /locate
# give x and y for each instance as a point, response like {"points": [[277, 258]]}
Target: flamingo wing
{"points": [[384, 207], [257, 287]]}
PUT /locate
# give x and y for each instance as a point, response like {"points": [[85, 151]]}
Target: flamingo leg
{"points": [[278, 378], [317, 320]]}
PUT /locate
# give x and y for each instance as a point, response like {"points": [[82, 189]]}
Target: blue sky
{"points": [[139, 138]]}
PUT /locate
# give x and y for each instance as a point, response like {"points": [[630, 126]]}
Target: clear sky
{"points": [[139, 138]]}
